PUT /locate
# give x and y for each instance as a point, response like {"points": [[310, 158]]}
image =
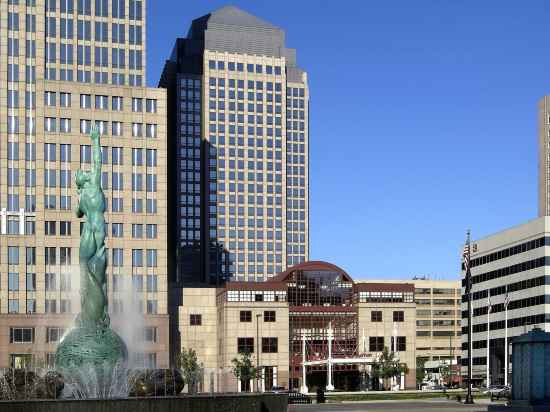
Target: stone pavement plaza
{"points": [[425, 405]]}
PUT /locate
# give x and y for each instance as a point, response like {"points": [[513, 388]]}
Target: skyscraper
{"points": [[544, 156], [238, 169], [67, 64]]}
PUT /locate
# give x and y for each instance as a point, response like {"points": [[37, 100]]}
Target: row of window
{"points": [[246, 345], [246, 316], [50, 154], [509, 270], [438, 322], [512, 323], [84, 7], [377, 344], [65, 74], [437, 333], [84, 30], [50, 203], [62, 282], [445, 302], [515, 304], [240, 67], [238, 129], [65, 126], [437, 313], [381, 296], [256, 296], [101, 102], [50, 256], [50, 180], [117, 128], [149, 306], [139, 283], [512, 287], [398, 316], [54, 334], [511, 251], [436, 291]]}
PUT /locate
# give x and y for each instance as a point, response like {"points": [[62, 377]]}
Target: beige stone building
{"points": [[68, 65], [437, 318], [241, 317], [387, 318], [308, 327]]}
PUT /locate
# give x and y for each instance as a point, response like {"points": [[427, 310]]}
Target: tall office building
{"points": [[66, 65], [238, 127], [544, 156], [514, 263]]}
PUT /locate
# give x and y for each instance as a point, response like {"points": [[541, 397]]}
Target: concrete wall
{"points": [[245, 402]]}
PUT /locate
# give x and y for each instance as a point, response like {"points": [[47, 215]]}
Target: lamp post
{"points": [[258, 376], [466, 255]]}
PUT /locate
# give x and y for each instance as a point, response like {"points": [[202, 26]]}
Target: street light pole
{"points": [[466, 254], [258, 377]]}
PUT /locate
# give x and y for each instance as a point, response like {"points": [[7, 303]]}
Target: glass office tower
{"points": [[238, 138]]}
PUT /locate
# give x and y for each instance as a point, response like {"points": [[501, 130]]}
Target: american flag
{"points": [[489, 303], [466, 256], [506, 299]]}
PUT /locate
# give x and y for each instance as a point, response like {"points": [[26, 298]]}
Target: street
{"points": [[394, 406]]}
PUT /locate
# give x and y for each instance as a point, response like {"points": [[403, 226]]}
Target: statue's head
{"points": [[82, 178]]}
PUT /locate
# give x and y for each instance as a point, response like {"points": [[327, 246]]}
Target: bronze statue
{"points": [[91, 341]]}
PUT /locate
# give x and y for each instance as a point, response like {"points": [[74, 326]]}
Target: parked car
{"points": [[436, 388], [502, 393], [278, 389], [492, 388], [297, 397]]}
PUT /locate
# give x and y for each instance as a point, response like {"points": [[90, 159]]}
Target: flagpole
{"points": [[469, 399], [506, 300], [488, 338]]}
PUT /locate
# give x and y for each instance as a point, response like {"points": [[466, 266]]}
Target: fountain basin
{"points": [[265, 402]]}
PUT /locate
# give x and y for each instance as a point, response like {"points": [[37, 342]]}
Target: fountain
{"points": [[91, 355], [92, 360]]}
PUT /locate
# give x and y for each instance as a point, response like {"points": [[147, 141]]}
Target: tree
{"points": [[190, 367], [420, 372], [244, 370], [445, 374], [388, 366]]}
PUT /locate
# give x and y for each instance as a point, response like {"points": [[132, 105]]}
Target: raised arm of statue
{"points": [[96, 156]]}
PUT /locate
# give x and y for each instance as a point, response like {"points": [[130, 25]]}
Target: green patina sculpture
{"points": [[91, 341]]}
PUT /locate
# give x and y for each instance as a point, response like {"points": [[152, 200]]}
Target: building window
{"points": [[195, 320], [13, 282], [65, 228], [376, 343], [398, 316], [246, 316], [269, 345], [150, 334], [376, 316], [21, 335], [151, 105], [50, 227], [152, 307], [53, 335], [245, 345], [401, 344], [269, 316]]}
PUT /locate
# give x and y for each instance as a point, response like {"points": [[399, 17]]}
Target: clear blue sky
{"points": [[423, 120]]}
